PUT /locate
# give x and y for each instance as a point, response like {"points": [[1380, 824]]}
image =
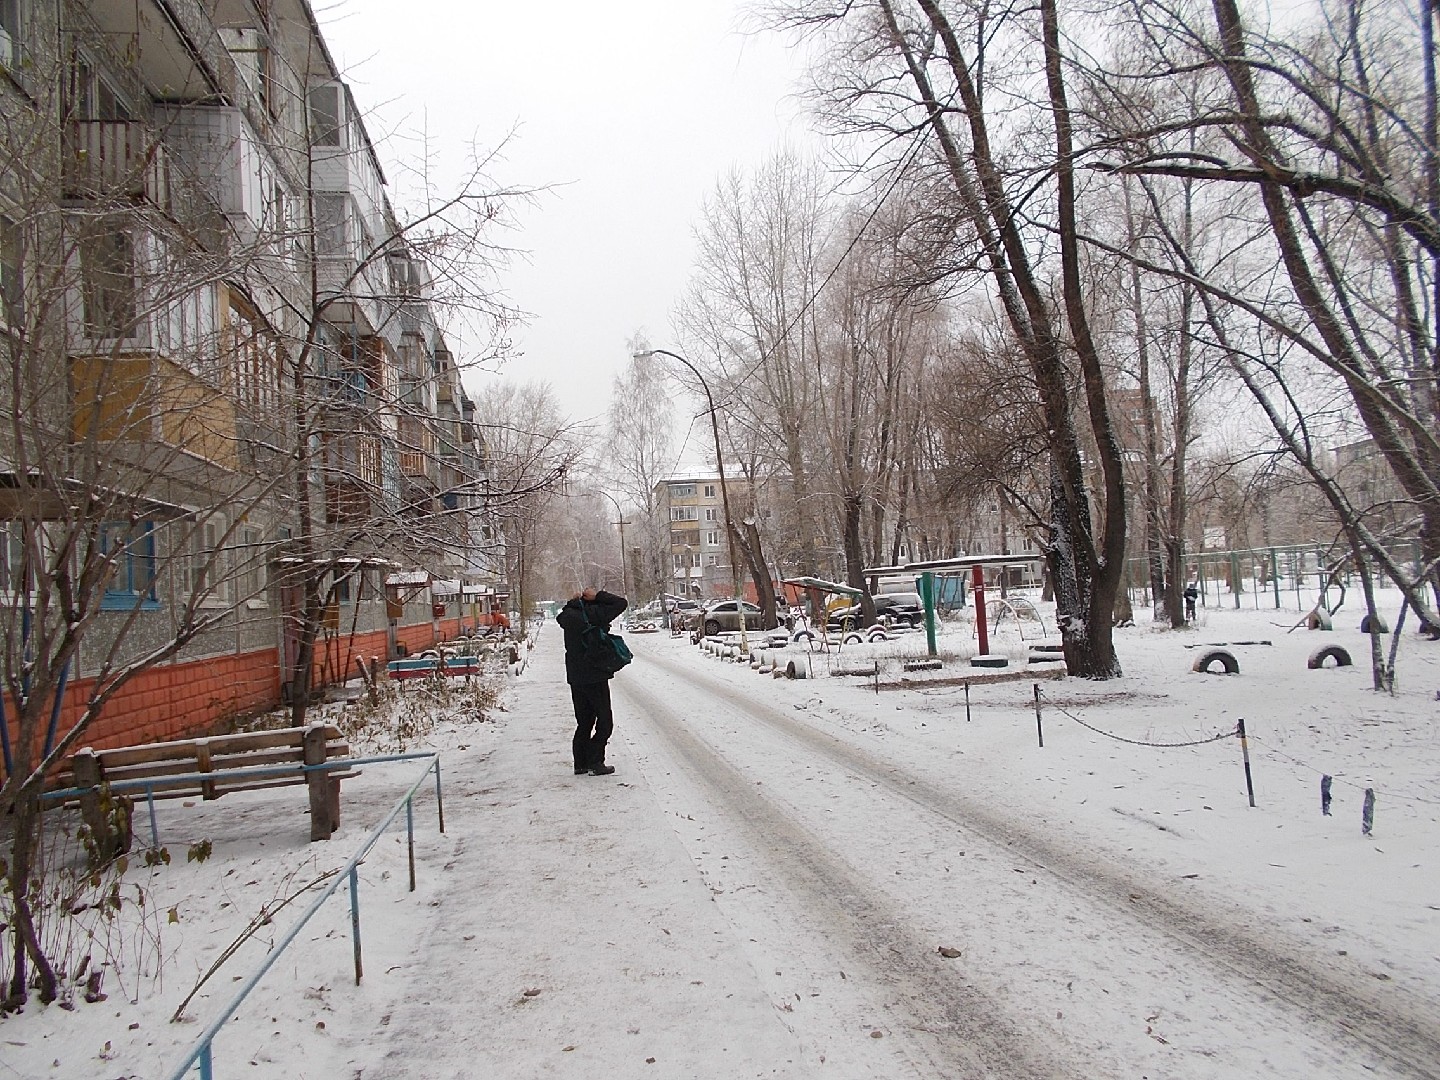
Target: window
{"points": [[16, 576], [250, 567], [10, 33], [331, 234], [712, 539], [682, 513], [714, 560], [107, 264], [203, 571], [12, 291], [682, 491], [709, 491], [325, 115], [341, 591], [711, 514], [130, 550], [254, 360]]}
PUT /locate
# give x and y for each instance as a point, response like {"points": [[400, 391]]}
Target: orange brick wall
{"points": [[175, 701], [178, 701]]}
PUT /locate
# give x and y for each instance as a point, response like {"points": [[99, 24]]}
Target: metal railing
{"points": [[201, 1053]]}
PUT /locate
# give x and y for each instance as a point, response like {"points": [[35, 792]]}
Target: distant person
{"points": [[1191, 595], [589, 685]]}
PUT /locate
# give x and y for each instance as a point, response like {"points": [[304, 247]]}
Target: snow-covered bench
{"points": [[207, 768]]}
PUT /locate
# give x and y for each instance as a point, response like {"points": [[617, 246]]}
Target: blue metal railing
{"points": [[201, 1052]]}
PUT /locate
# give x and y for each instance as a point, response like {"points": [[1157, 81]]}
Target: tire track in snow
{"points": [[951, 1022], [1385, 1022]]}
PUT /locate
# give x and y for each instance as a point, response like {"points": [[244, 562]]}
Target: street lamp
{"points": [[724, 490], [620, 521]]}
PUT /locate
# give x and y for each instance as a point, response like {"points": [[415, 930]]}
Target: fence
{"points": [[201, 1053], [1293, 576]]}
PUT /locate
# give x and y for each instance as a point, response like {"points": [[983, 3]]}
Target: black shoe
{"points": [[581, 770], [601, 770]]}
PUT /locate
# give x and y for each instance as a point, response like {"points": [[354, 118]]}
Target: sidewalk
{"points": [[572, 935]]}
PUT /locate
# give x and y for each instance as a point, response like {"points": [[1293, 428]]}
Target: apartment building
{"points": [[237, 449], [699, 551]]}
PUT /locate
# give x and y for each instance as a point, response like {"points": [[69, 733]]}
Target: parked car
{"points": [[892, 609], [725, 615], [682, 613]]}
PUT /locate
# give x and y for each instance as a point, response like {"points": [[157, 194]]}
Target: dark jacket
{"points": [[601, 612]]}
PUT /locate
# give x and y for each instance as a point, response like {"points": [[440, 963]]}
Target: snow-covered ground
{"points": [[815, 878]]}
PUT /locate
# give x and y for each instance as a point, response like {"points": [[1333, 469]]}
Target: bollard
{"points": [[967, 703], [1367, 812], [1325, 795], [1039, 730], [1245, 753]]}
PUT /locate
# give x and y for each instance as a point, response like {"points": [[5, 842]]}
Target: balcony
{"points": [[113, 160], [148, 400]]}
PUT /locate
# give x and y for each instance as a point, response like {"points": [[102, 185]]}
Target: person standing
{"points": [[589, 685], [1191, 595]]}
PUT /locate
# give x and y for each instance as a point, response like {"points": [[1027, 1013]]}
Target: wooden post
{"points": [[110, 831], [324, 802]]}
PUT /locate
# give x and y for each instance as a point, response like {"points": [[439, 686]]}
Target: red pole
{"points": [[980, 628]]}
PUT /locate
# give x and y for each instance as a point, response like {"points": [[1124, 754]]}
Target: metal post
{"points": [[1245, 754], [1275, 576], [978, 574], [439, 800], [355, 921], [410, 838], [967, 702], [927, 597], [1039, 728]]}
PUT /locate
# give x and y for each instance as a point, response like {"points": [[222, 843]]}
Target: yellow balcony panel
{"points": [[148, 399]]}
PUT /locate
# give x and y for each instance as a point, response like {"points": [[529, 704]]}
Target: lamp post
{"points": [[724, 490], [621, 522]]}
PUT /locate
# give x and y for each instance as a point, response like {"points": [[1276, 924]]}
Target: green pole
{"points": [[927, 597]]}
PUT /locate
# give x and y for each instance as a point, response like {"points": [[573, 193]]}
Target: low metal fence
{"points": [[201, 1054]]}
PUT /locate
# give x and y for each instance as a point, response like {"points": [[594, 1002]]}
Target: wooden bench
{"points": [[241, 762]]}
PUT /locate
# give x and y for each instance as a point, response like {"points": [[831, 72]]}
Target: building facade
{"points": [[234, 419]]}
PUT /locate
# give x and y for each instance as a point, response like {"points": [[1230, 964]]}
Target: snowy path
{"points": [[763, 888], [838, 858]]}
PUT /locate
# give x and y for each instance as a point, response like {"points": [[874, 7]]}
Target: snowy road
{"points": [[847, 858]]}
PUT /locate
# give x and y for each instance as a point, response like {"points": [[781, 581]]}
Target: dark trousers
{"points": [[593, 723]]}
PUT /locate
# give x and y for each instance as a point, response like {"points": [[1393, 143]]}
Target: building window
{"points": [[682, 491], [10, 55], [12, 259], [250, 568], [17, 575], [107, 262], [130, 550], [331, 234], [709, 491], [711, 514], [714, 560], [254, 360], [325, 118], [682, 513], [712, 539], [204, 573]]}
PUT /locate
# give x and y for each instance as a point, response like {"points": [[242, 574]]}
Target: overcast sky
{"points": [[632, 109]]}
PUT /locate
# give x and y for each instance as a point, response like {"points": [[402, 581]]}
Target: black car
{"points": [[892, 609]]}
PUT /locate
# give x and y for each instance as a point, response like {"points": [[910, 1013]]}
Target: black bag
{"points": [[603, 650]]}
